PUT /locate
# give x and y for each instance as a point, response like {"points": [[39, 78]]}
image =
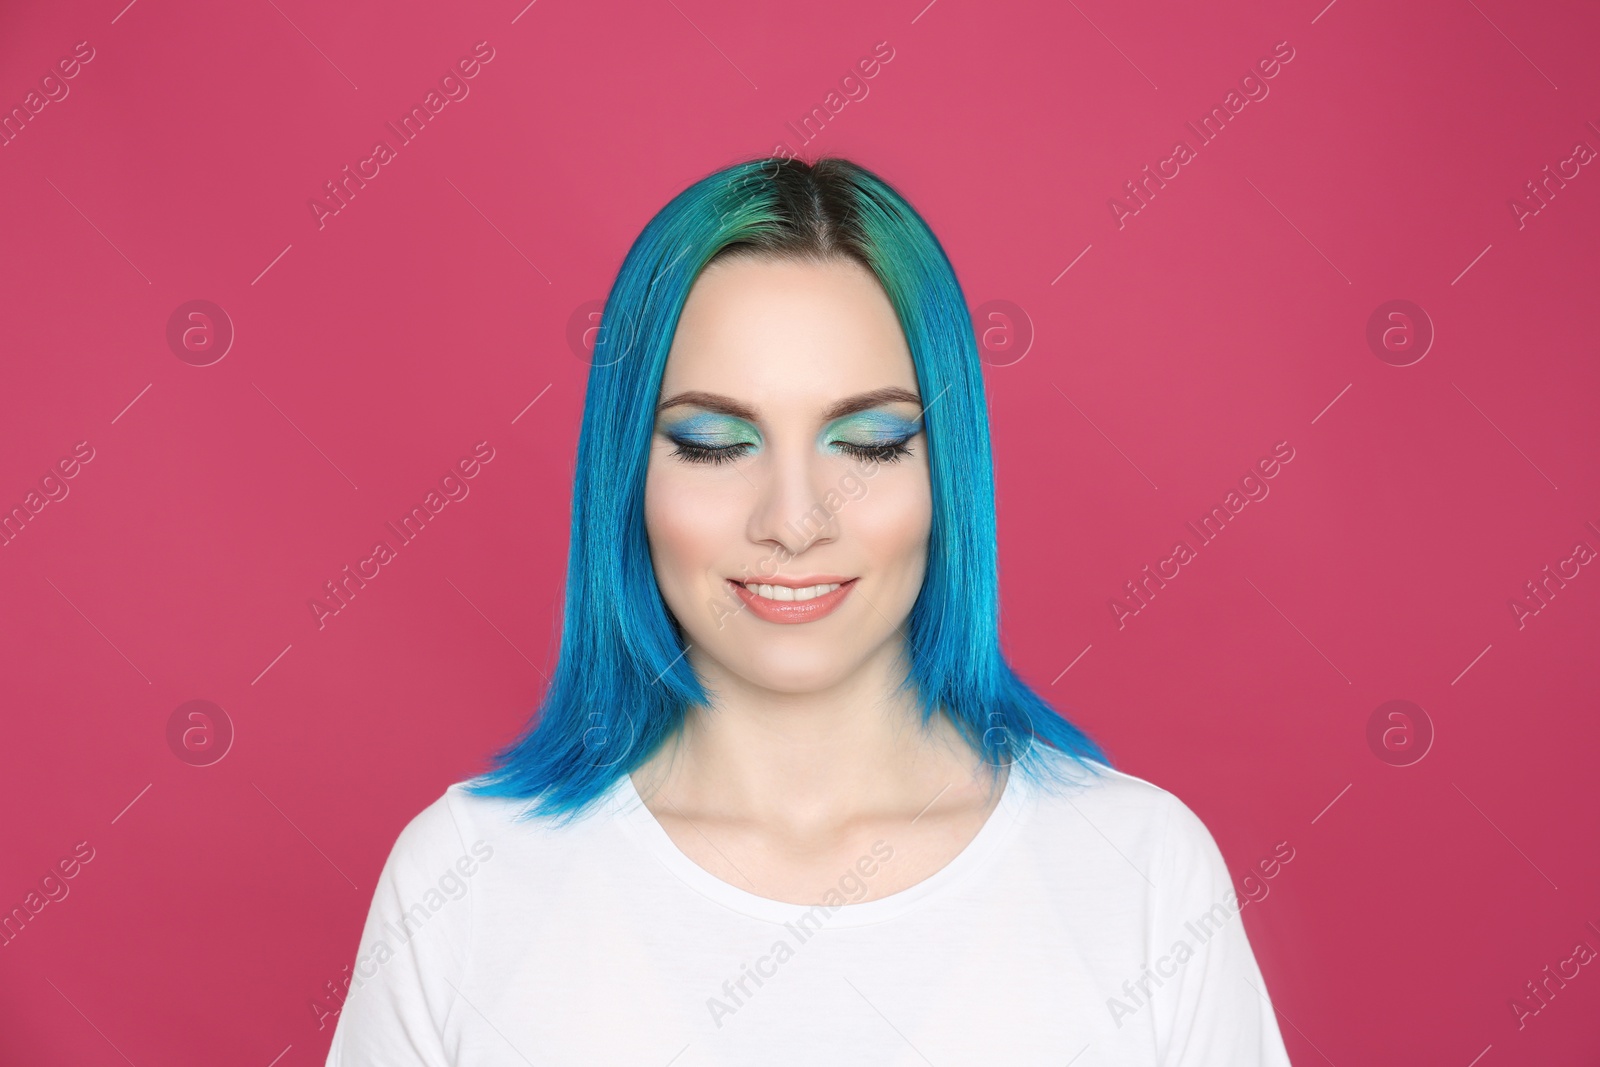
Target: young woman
{"points": [[785, 802]]}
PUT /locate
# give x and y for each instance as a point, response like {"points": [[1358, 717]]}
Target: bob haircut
{"points": [[622, 682]]}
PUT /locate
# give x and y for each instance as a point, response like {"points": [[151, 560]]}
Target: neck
{"points": [[810, 760]]}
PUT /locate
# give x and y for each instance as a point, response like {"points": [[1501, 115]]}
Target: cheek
{"points": [[687, 530], [894, 519]]}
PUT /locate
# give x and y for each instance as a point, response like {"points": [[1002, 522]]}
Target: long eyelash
{"points": [[889, 453], [701, 454]]}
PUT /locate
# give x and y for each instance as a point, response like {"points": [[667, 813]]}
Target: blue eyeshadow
{"points": [[874, 427], [707, 427]]}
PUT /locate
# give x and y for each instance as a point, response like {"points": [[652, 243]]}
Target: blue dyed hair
{"points": [[622, 682]]}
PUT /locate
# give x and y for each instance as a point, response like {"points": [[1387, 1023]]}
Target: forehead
{"points": [[769, 330]]}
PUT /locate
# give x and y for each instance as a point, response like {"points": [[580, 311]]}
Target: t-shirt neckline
{"points": [[630, 808]]}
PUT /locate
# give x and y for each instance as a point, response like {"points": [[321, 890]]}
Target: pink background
{"points": [[371, 353]]}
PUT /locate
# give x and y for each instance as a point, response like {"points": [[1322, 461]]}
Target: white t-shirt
{"points": [[1097, 928]]}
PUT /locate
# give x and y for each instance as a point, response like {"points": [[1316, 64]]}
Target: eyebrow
{"points": [[725, 405]]}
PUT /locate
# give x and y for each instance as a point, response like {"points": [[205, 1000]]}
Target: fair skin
{"points": [[808, 754]]}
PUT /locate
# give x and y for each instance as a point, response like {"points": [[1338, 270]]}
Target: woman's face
{"points": [[788, 457]]}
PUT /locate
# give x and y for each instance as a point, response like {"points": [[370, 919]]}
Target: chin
{"points": [[790, 667]]}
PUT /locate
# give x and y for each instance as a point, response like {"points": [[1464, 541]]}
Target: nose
{"points": [[791, 504]]}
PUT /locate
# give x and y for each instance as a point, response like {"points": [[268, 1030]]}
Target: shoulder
{"points": [[1150, 826], [466, 830], [457, 831], [1103, 796], [1116, 794]]}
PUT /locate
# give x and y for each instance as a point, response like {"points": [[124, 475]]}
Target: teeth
{"points": [[784, 592]]}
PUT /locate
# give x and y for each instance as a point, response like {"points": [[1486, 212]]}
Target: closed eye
{"points": [[693, 453], [889, 452]]}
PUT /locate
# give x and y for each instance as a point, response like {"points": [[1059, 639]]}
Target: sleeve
{"points": [[413, 950], [1218, 1013]]}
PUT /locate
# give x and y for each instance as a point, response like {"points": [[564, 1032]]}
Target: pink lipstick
{"points": [[817, 606]]}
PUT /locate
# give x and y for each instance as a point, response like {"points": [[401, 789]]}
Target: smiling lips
{"points": [[794, 600]]}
